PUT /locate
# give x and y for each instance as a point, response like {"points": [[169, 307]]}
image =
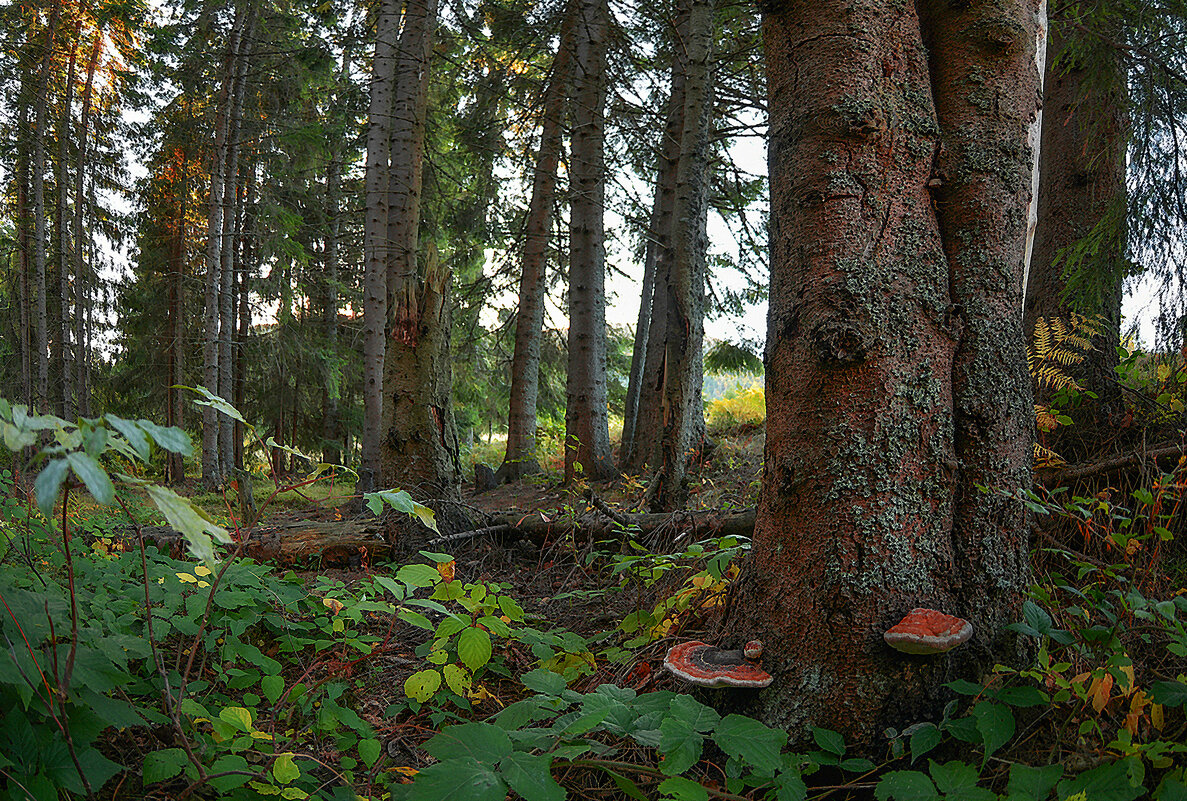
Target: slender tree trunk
{"points": [[40, 102], [81, 271], [247, 249], [630, 414], [681, 414], [587, 432], [62, 218], [1079, 260], [24, 236], [174, 403], [376, 248], [895, 373], [332, 380], [212, 470], [520, 459]]}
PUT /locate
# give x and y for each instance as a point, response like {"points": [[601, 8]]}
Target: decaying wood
{"points": [[293, 541], [1063, 475]]}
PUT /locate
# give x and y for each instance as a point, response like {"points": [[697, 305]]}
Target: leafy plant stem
{"points": [[612, 765]]}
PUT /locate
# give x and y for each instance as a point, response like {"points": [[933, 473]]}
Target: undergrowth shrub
{"points": [[740, 408]]}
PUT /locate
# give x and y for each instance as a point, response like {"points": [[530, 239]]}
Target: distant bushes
{"points": [[741, 408]]}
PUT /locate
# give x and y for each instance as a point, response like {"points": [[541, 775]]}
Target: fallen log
{"points": [[1060, 475]]}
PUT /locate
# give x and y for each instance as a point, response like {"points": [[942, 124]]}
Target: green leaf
{"points": [[829, 740], [924, 739], [462, 779], [415, 619], [238, 717], [1116, 782], [191, 521], [171, 438], [418, 575], [369, 751], [996, 724], [958, 782], [683, 789], [391, 585], [474, 647], [906, 785], [421, 686], [1167, 693], [698, 716], [627, 786], [47, 484], [132, 434], [457, 678], [217, 402], [789, 786], [273, 687], [1032, 784], [680, 746], [531, 777], [95, 477], [544, 681], [483, 742], [285, 770], [1022, 696], [163, 764], [750, 740]]}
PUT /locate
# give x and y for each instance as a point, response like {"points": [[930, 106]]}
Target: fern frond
{"points": [[1045, 457]]}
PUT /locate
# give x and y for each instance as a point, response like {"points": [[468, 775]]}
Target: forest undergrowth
{"points": [[504, 665]]}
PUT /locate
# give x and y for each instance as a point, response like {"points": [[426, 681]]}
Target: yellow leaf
{"points": [[1156, 719], [1100, 690], [333, 604], [406, 771], [202, 570], [447, 570], [187, 578], [1127, 686]]}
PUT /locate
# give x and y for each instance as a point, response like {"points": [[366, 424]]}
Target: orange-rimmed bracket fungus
{"points": [[926, 631], [709, 666]]}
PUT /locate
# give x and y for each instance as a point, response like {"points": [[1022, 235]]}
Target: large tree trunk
{"points": [[175, 357], [895, 372], [681, 414], [420, 445], [587, 431], [212, 468], [40, 102], [63, 221], [520, 458], [247, 251], [376, 248], [24, 237], [634, 387], [332, 378], [1079, 259]]}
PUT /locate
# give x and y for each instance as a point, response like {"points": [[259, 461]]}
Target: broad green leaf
{"points": [[474, 647], [186, 518], [531, 777], [750, 740], [1115, 782], [418, 575], [698, 716], [415, 619], [906, 785], [1167, 693], [996, 724], [47, 484], [1022, 696], [132, 434], [285, 770], [461, 779], [958, 781], [510, 607], [789, 786], [218, 403], [829, 740], [457, 679], [273, 687], [924, 739], [627, 786], [163, 764], [391, 585], [544, 681], [483, 742], [683, 789], [421, 686], [237, 716], [171, 438], [95, 477], [680, 746], [1032, 784], [369, 750]]}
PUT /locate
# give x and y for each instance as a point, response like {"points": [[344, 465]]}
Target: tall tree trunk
{"points": [[420, 446], [587, 432], [64, 218], [520, 458], [232, 236], [212, 469], [247, 250], [40, 102], [681, 413], [174, 402], [630, 414], [25, 343], [332, 379], [895, 371], [376, 248], [81, 271], [1079, 260]]}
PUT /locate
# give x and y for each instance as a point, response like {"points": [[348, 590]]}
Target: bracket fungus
{"points": [[708, 666], [926, 631]]}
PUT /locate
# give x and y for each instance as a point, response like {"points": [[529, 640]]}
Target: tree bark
{"points": [[212, 468], [82, 272], [520, 458], [587, 432], [40, 102], [247, 250], [376, 248], [24, 335], [175, 355], [681, 413], [630, 413], [63, 221], [895, 374], [1079, 260]]}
